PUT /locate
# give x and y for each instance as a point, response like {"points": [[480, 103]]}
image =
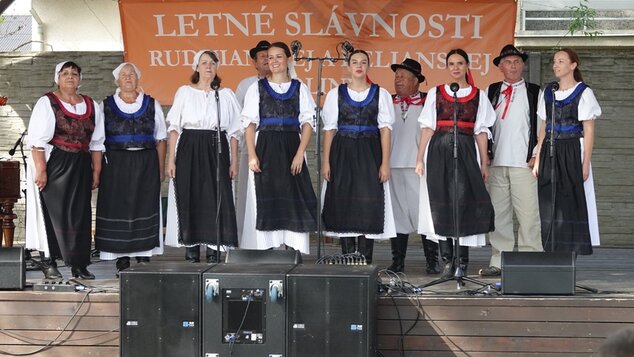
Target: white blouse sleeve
{"points": [[427, 117], [485, 117], [330, 113], [41, 124], [589, 108], [386, 110], [232, 112], [160, 130], [99, 135], [176, 111], [541, 106], [306, 106], [251, 109]]}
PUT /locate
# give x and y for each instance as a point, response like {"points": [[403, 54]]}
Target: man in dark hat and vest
{"points": [[511, 184], [405, 183], [260, 59]]}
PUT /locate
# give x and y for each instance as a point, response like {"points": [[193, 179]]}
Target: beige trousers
{"points": [[513, 189]]}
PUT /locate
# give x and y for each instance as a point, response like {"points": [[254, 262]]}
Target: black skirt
{"points": [[196, 193], [354, 200], [284, 201], [66, 206], [128, 203], [571, 230], [475, 211]]}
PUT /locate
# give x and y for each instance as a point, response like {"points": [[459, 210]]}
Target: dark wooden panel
{"points": [[65, 351], [504, 328], [40, 308], [68, 338], [85, 323]]}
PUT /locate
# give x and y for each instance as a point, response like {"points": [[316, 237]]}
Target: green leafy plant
{"points": [[584, 20]]}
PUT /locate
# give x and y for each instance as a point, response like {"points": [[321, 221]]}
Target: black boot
{"points": [[211, 256], [192, 254], [399, 250], [81, 273], [366, 247], [49, 267], [122, 263], [446, 253], [431, 256], [142, 260], [348, 245]]}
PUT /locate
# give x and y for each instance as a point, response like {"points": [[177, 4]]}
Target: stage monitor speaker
{"points": [[13, 268], [538, 273], [160, 309], [254, 256], [244, 310], [331, 310]]}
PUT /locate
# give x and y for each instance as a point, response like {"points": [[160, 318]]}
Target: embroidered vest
{"points": [[466, 109], [279, 111], [72, 131], [358, 119], [567, 124], [134, 130]]}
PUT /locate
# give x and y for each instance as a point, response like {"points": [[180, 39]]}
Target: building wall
{"points": [[610, 72]]}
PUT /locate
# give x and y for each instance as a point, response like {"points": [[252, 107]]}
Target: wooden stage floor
{"points": [[440, 321]]}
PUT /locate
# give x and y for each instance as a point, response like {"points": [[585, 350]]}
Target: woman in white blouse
{"points": [[128, 219], [278, 118], [576, 227], [358, 120], [435, 163], [193, 215], [66, 136]]}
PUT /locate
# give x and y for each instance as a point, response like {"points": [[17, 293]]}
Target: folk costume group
{"points": [[389, 165]]}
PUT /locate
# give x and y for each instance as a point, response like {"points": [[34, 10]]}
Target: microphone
{"points": [[347, 49], [215, 86], [554, 86], [17, 142], [454, 87], [295, 47]]}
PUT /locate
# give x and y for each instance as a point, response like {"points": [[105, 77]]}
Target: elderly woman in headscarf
{"points": [[128, 207], [66, 136], [199, 207]]}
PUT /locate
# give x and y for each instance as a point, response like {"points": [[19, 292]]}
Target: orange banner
{"points": [[162, 36]]}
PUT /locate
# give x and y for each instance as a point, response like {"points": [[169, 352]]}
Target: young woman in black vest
{"points": [[128, 215], [358, 121], [278, 118], [194, 126], [576, 226], [475, 211], [66, 136]]}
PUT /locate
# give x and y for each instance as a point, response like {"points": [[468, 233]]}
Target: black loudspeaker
{"points": [[254, 256], [13, 268], [331, 310], [538, 273], [160, 309], [244, 310]]}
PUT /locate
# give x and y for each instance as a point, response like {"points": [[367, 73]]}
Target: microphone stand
{"points": [[320, 61], [459, 275], [218, 186]]}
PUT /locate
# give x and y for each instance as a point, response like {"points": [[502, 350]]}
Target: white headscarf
{"points": [[197, 59], [58, 68], [117, 70]]}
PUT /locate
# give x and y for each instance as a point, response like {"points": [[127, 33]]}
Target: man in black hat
{"points": [[260, 59], [405, 184], [511, 185]]}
